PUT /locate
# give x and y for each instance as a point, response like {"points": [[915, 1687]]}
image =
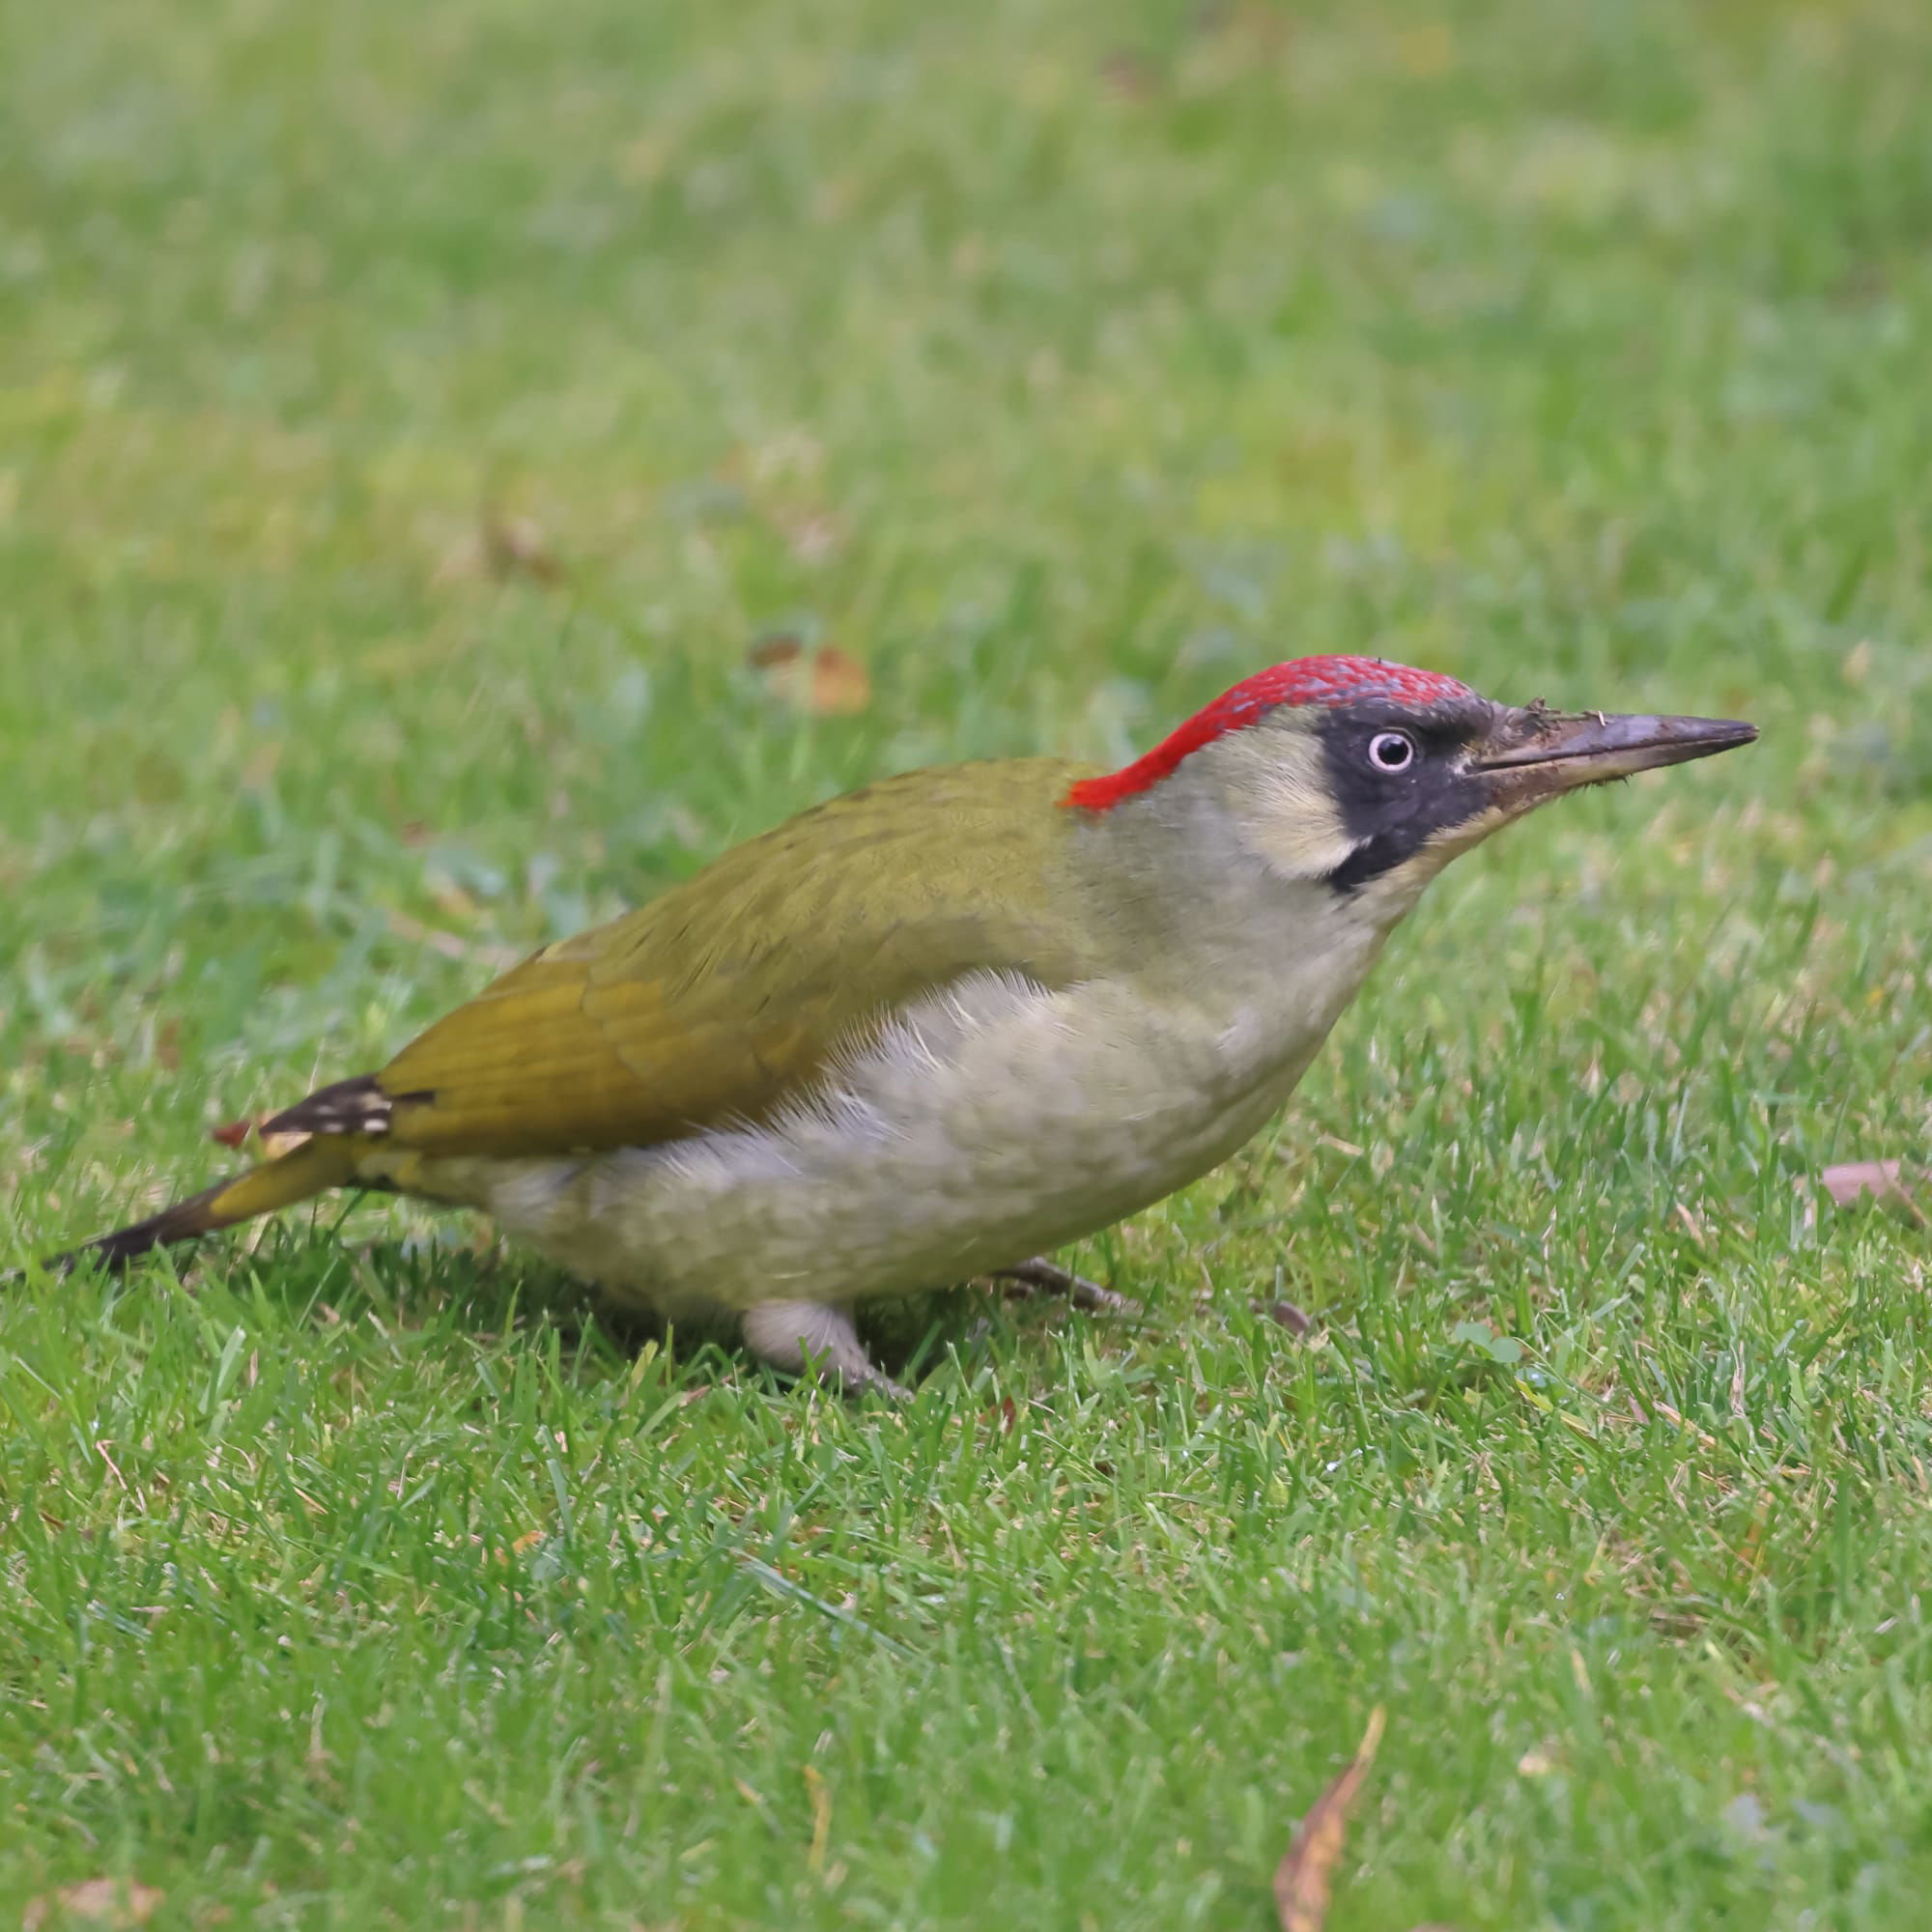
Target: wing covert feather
{"points": [[726, 997]]}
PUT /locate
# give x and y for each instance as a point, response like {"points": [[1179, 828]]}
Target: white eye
{"points": [[1391, 750]]}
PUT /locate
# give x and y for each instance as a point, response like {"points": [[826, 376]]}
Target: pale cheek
{"points": [[1299, 832], [1281, 805]]}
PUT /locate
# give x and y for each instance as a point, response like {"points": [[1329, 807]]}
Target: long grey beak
{"points": [[1535, 755]]}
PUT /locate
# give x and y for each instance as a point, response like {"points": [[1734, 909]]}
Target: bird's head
{"points": [[1369, 776]]}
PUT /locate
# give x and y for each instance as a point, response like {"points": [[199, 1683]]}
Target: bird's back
{"points": [[725, 996]]}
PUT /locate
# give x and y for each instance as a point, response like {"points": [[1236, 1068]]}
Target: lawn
{"points": [[413, 419]]}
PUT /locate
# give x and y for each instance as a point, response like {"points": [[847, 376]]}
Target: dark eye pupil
{"points": [[1392, 752]]}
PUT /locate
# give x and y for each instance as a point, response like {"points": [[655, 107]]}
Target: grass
{"points": [[1059, 363]]}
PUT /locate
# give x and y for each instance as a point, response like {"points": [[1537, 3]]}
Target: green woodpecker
{"points": [[953, 1020]]}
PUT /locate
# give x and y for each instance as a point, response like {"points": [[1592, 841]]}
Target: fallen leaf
{"points": [[841, 686], [1128, 77], [1286, 1315], [1890, 1184], [1503, 1348], [781, 648], [274, 1145], [823, 683], [501, 546], [1302, 1878], [516, 546], [102, 1901]]}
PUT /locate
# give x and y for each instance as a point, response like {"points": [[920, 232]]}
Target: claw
{"points": [[1040, 1276]]}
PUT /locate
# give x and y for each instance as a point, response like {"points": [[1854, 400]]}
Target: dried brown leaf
{"points": [[94, 1901], [780, 648], [823, 683], [841, 686], [1303, 1879], [1890, 1184], [235, 1134], [503, 545], [1128, 75], [517, 546]]}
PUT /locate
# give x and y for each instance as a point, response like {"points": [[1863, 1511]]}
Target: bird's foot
{"points": [[1040, 1276], [817, 1343]]}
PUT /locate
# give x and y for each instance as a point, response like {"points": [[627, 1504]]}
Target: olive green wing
{"points": [[727, 996]]}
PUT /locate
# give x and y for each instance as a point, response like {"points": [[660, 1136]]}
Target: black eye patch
{"points": [[1392, 807]]}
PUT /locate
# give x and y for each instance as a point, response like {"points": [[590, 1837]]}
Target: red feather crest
{"points": [[1324, 681]]}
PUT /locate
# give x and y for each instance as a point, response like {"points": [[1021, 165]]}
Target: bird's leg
{"points": [[810, 1338], [1040, 1276]]}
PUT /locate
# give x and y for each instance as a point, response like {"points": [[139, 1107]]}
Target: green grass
{"points": [[1062, 363]]}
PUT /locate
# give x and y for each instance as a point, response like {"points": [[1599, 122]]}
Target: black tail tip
{"points": [[109, 1253]]}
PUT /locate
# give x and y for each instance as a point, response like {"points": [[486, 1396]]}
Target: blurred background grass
{"points": [[411, 418]]}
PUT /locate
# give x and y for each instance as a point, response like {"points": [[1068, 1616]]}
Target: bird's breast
{"points": [[982, 1125]]}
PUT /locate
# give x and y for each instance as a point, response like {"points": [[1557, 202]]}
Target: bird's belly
{"points": [[986, 1126]]}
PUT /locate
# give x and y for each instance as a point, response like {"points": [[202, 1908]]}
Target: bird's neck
{"points": [[1208, 907]]}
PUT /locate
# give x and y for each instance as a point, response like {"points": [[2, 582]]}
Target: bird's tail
{"points": [[318, 1164]]}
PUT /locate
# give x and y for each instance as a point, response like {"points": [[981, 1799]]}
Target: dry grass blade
{"points": [[1302, 1878], [820, 1794], [413, 933]]}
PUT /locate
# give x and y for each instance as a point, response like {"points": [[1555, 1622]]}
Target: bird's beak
{"points": [[1532, 755]]}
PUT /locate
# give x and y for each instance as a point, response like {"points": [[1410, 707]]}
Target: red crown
{"points": [[1324, 681]]}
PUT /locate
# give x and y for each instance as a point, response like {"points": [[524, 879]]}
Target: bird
{"points": [[936, 1029]]}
